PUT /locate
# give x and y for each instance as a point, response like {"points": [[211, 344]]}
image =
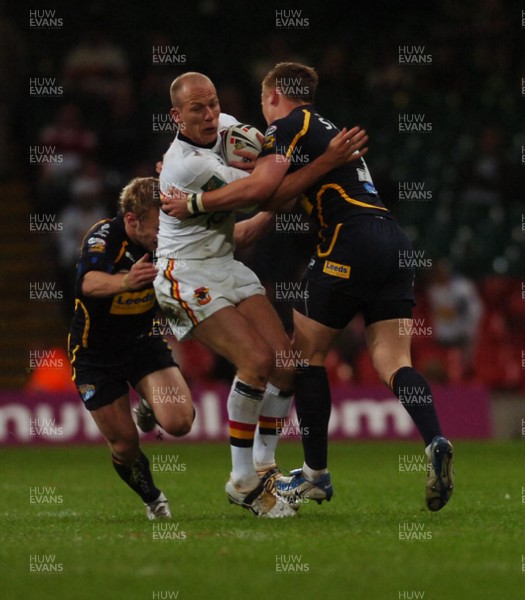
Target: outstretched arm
{"points": [[266, 178], [344, 147]]}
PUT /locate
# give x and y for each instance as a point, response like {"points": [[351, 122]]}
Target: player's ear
{"points": [[274, 96], [131, 220], [175, 115]]}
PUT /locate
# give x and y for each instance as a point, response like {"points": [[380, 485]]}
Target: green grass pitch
{"points": [[104, 548]]}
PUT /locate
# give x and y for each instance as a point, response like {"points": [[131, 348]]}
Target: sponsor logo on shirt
{"points": [[133, 303], [337, 270]]}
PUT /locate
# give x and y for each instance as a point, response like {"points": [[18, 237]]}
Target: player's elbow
{"points": [[88, 287], [93, 286], [239, 240], [242, 241]]}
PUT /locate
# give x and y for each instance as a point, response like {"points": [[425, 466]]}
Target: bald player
{"points": [[210, 296]]}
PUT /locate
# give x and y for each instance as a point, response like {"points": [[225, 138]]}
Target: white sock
{"points": [[274, 410], [311, 474], [244, 405]]}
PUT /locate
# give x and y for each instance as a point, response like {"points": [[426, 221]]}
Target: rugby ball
{"points": [[240, 137]]}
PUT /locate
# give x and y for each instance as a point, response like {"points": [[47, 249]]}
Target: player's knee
{"points": [[259, 363], [184, 427], [379, 367], [386, 368], [180, 425], [126, 447], [283, 377]]}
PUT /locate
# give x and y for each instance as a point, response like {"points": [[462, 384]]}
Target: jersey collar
{"points": [[209, 146]]}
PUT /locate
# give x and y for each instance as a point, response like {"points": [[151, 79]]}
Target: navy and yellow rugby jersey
{"points": [[112, 322], [304, 135]]}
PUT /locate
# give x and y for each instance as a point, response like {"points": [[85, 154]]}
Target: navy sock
{"points": [[138, 476], [415, 395], [313, 404]]}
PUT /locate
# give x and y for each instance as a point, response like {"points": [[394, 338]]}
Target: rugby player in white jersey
{"points": [[220, 302]]}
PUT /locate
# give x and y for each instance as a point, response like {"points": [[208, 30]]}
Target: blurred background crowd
{"points": [[105, 113]]}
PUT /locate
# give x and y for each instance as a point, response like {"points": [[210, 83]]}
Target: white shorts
{"points": [[190, 291]]}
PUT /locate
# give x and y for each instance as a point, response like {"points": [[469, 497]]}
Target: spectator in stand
{"points": [[487, 179], [456, 310], [123, 142], [70, 136], [97, 71], [74, 141]]}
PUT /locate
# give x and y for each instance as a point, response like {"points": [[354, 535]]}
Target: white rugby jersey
{"points": [[194, 169]]}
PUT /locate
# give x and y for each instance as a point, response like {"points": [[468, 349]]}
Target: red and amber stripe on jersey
{"points": [[175, 292]]}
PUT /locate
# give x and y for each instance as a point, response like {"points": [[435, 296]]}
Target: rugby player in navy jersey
{"points": [[356, 268], [111, 345]]}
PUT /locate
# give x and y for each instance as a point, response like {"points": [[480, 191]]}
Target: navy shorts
{"points": [[103, 376], [365, 272]]}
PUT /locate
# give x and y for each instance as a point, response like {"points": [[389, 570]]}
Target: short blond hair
{"points": [[294, 81], [139, 197]]}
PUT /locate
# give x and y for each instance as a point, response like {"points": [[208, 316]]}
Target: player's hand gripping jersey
{"points": [[112, 322], [193, 168]]}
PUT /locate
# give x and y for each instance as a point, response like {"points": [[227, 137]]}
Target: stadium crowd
{"points": [[108, 119]]}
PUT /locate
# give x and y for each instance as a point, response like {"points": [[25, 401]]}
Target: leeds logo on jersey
{"points": [[133, 303], [202, 295], [336, 270]]}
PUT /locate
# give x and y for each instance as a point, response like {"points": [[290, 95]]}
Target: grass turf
{"points": [[349, 548]]}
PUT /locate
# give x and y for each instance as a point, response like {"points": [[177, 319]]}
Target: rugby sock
{"points": [[274, 410], [244, 406], [138, 476], [313, 404], [415, 395], [312, 474]]}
